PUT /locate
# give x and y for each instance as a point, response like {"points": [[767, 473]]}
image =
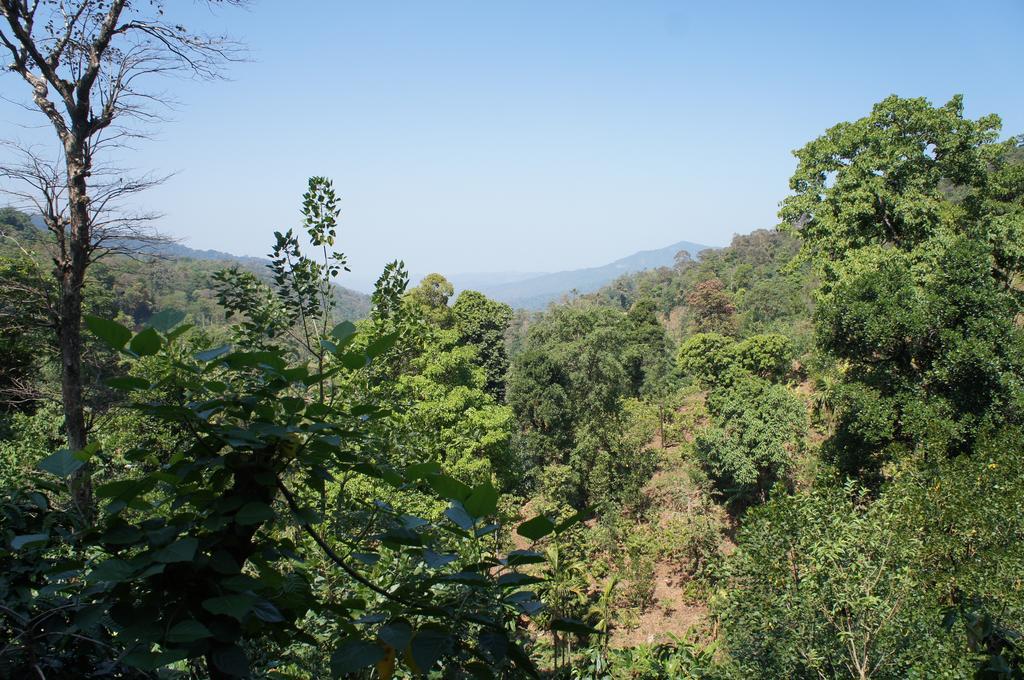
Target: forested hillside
{"points": [[799, 456], [147, 278]]}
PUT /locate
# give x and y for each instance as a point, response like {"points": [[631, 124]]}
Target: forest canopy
{"points": [[796, 456]]}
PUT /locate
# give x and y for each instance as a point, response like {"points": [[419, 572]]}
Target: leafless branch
{"points": [[38, 185], [89, 65]]}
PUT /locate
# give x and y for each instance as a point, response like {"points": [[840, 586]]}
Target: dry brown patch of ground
{"points": [[671, 613], [673, 492]]}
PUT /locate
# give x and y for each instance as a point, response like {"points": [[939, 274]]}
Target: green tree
{"points": [[913, 224], [18, 226], [432, 295], [569, 370], [25, 332], [707, 357], [648, 355], [567, 387], [824, 586], [840, 582], [757, 430], [767, 355], [482, 323]]}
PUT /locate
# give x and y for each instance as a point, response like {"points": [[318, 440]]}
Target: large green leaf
{"points": [[572, 521], [381, 345], [236, 606], [536, 528], [525, 601], [110, 332], [182, 550], [448, 487], [523, 662], [188, 631], [353, 360], [354, 655], [122, 534], [494, 643], [179, 331], [123, 488], [109, 570], [166, 319], [573, 626], [254, 513], [63, 463], [127, 383], [515, 580], [483, 501], [146, 660], [479, 671], [520, 557], [90, 615], [436, 560], [469, 578], [368, 559], [457, 514], [231, 660], [428, 646], [265, 358], [343, 331], [146, 343], [422, 470], [19, 542], [396, 633], [215, 353], [266, 611]]}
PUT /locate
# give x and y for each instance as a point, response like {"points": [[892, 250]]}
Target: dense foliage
{"points": [[798, 456], [918, 297]]}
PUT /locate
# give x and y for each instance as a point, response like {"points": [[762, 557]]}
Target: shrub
{"points": [[705, 356], [693, 539], [757, 429], [769, 355]]}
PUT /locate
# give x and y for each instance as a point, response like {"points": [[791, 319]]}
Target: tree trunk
{"points": [[661, 423], [74, 261], [250, 474]]}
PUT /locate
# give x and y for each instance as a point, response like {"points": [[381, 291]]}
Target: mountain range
{"points": [[539, 290], [524, 290]]}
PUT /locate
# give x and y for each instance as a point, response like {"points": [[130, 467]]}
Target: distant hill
{"points": [[526, 290], [179, 250], [175, 249], [480, 280], [170, 256], [539, 291], [351, 304]]}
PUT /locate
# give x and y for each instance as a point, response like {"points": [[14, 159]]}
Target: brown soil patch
{"points": [[671, 613]]}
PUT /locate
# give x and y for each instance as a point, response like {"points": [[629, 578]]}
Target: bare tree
{"points": [[88, 64]]}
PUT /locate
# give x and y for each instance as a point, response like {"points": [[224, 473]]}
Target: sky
{"points": [[542, 136]]}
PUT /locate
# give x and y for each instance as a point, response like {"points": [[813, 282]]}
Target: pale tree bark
{"points": [[86, 63]]}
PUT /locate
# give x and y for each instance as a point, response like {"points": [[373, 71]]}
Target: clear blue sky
{"points": [[537, 136]]}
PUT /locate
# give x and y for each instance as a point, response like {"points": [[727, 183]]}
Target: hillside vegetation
{"points": [[797, 456], [155, 277]]}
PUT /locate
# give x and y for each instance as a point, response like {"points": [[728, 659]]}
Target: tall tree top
{"points": [[882, 179]]}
